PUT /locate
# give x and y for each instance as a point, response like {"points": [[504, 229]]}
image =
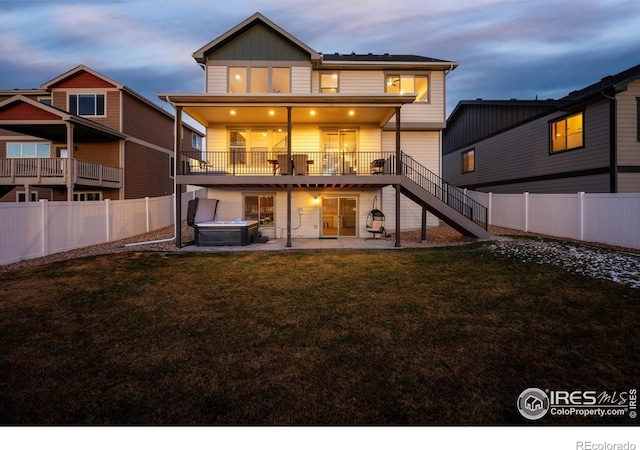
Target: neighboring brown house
{"points": [[83, 136]]}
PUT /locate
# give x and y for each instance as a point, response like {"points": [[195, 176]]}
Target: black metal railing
{"points": [[443, 191], [329, 163]]}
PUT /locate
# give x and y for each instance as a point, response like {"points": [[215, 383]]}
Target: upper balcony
{"points": [[55, 172], [271, 168]]}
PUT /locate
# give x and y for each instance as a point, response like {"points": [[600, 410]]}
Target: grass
{"points": [[416, 336]]}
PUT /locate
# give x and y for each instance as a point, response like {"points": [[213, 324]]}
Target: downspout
{"points": [[613, 143], [177, 215]]}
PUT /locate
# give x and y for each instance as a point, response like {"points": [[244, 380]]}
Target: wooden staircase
{"points": [[449, 203]]}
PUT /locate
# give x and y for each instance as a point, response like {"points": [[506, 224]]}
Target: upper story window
{"points": [[409, 84], [87, 104], [45, 100], [329, 83], [28, 150], [259, 80], [567, 133], [469, 161]]}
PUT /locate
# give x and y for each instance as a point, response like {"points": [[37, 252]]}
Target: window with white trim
{"points": [[196, 141], [408, 84], [87, 104], [259, 80], [28, 150], [469, 161], [329, 83], [260, 207], [21, 196]]}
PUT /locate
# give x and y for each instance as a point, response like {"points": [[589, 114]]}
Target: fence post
{"points": [[581, 216], [44, 225], [147, 212], [107, 213], [526, 212]]}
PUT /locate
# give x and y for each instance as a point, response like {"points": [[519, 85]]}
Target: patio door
{"points": [[339, 216]]}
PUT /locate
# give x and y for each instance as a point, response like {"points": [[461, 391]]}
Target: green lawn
{"points": [[412, 336]]}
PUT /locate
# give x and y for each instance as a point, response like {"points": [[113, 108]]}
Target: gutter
{"points": [[613, 142]]}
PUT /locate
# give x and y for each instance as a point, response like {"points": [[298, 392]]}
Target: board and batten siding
{"points": [[523, 152]]}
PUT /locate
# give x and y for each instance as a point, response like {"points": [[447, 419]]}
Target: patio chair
{"points": [[283, 160], [300, 164]]}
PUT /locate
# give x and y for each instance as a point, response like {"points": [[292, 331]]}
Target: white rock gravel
{"points": [[616, 265]]}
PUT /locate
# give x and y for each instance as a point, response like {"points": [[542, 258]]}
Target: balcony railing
{"points": [[327, 163], [55, 171]]}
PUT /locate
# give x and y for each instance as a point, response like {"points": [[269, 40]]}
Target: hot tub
{"points": [[226, 233]]}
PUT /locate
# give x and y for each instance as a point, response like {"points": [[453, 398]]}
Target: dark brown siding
{"points": [[146, 172], [144, 122], [107, 153]]}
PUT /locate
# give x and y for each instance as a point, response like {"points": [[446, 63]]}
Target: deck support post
{"points": [[177, 171], [289, 172], [423, 226], [69, 162], [397, 244]]}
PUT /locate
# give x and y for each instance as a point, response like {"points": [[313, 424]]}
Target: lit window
{"points": [[567, 133], [259, 80], [409, 84], [329, 83], [469, 161], [86, 104]]}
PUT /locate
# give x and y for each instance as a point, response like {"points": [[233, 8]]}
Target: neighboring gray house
{"points": [[587, 141]]}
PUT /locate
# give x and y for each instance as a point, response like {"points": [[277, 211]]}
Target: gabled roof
{"points": [[48, 121], [257, 19], [75, 71]]}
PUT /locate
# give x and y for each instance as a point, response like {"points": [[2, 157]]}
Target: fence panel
{"points": [[18, 241], [127, 218], [612, 219], [507, 210], [554, 214], [71, 225]]}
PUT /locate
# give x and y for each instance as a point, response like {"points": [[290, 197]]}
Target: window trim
{"points": [[259, 194], [248, 82], [400, 74], [95, 95], [335, 74], [561, 119], [21, 144], [463, 154], [34, 196], [196, 141]]}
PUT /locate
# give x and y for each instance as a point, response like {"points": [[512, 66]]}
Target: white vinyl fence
{"points": [[612, 219], [31, 230]]}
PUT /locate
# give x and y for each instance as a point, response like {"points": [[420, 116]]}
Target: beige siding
{"points": [[629, 182], [216, 79], [361, 82], [300, 80], [628, 145], [217, 139]]}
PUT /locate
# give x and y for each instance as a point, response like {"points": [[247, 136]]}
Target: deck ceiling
{"points": [[268, 109]]}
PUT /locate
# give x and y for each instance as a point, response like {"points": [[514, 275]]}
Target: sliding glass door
{"points": [[339, 216]]}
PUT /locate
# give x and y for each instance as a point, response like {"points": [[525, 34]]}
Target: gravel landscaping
{"points": [[595, 262]]}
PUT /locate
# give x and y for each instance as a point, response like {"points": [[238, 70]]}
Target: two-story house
{"points": [[309, 143], [83, 136], [587, 141]]}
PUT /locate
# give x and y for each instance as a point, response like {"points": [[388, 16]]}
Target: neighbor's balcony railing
{"points": [[55, 171], [328, 163]]}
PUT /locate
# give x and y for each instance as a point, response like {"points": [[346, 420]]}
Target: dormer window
{"points": [[409, 84], [86, 104], [259, 80]]}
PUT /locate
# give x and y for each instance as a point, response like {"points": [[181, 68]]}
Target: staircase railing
{"points": [[443, 191]]}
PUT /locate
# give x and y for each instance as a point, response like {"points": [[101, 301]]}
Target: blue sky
{"points": [[505, 48]]}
